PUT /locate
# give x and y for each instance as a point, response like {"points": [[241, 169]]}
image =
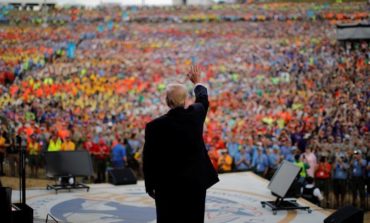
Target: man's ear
{"points": [[169, 102]]}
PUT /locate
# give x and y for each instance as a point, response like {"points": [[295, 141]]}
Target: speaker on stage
{"points": [[22, 213], [6, 204], [121, 176], [347, 214], [280, 184]]}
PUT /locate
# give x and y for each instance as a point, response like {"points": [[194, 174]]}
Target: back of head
{"points": [[297, 157], [309, 180], [176, 95]]}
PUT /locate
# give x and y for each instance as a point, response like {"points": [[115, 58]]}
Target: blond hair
{"points": [[176, 95]]}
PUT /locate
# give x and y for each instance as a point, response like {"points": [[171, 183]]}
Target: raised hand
{"points": [[194, 74]]}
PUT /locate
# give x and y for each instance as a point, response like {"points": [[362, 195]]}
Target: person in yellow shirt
{"points": [[68, 145], [55, 144], [225, 162], [33, 149]]}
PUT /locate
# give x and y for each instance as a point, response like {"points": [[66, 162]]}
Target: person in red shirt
{"points": [[323, 175], [88, 144], [213, 155], [100, 152]]}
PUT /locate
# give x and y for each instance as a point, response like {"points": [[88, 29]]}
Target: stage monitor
{"points": [[283, 178], [66, 163]]}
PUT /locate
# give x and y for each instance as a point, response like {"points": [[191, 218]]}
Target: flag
{"points": [[110, 25], [71, 50]]}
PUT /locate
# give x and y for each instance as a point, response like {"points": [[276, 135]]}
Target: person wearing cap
{"points": [[340, 177], [290, 155], [233, 146], [242, 160], [273, 155], [254, 149], [358, 169], [225, 162], [260, 163]]}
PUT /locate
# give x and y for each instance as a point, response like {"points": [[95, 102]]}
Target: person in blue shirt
{"points": [[340, 176], [260, 163], [255, 149], [242, 160], [290, 156], [358, 169], [118, 156], [285, 150], [233, 147], [273, 156]]}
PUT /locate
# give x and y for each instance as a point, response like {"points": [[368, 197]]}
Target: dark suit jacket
{"points": [[174, 154]]}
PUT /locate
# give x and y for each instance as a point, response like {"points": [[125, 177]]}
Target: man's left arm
{"points": [[201, 96]]}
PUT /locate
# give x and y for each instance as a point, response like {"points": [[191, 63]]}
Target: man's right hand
{"points": [[194, 74]]}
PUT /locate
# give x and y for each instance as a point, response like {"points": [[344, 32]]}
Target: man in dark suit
{"points": [[177, 169]]}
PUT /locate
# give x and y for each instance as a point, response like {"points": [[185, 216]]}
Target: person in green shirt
{"points": [[55, 144], [299, 161]]}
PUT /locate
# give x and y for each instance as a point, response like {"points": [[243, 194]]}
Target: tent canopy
{"points": [[359, 31]]}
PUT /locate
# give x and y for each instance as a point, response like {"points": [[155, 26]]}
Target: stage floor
{"points": [[235, 199]]}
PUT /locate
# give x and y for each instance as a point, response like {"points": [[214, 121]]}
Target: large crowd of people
{"points": [[281, 86]]}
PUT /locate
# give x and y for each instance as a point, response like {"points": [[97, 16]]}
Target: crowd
{"points": [[281, 86]]}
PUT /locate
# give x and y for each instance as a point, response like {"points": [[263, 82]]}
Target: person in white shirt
{"points": [[311, 160], [311, 193]]}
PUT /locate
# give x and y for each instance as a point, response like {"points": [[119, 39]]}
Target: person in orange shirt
{"points": [[225, 162], [68, 145]]}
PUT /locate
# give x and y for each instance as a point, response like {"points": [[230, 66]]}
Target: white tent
{"points": [[359, 31], [99, 2]]}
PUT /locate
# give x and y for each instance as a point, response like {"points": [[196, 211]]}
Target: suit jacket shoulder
{"points": [[156, 122]]}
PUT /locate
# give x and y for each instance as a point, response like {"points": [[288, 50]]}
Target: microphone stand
{"points": [[23, 212], [22, 170]]}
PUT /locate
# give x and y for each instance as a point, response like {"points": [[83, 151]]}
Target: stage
{"points": [[235, 199]]}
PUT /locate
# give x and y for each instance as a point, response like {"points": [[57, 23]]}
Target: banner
{"points": [[71, 49], [100, 28], [110, 25]]}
